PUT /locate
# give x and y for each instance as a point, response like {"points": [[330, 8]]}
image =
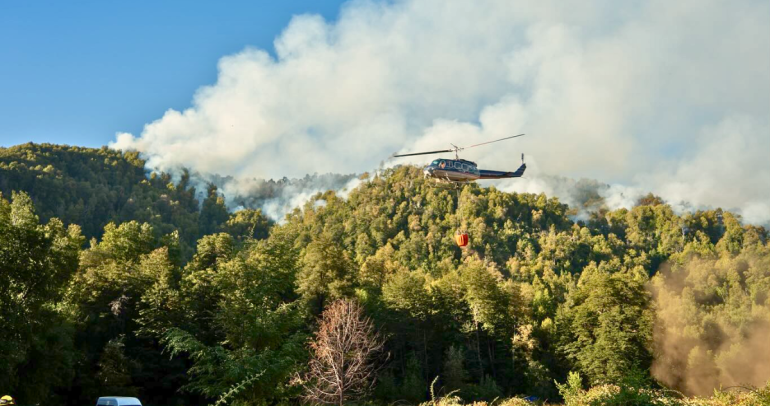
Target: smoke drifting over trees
{"points": [[648, 97], [279, 197]]}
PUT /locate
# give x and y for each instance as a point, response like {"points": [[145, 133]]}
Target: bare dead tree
{"points": [[343, 363]]}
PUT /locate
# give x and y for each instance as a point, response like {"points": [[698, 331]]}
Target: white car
{"points": [[118, 401]]}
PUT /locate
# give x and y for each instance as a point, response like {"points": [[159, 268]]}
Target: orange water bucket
{"points": [[461, 239]]}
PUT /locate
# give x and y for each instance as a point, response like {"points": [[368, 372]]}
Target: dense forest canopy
{"points": [[93, 187], [113, 280]]}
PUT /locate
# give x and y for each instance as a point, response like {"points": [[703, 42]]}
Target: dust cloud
{"points": [[711, 331]]}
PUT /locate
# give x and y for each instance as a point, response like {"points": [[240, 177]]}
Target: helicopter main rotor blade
{"points": [[489, 142], [424, 153]]}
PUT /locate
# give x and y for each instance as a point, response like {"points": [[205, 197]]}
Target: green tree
{"points": [[114, 373], [36, 262], [326, 274], [243, 319], [455, 374], [605, 326], [213, 212]]}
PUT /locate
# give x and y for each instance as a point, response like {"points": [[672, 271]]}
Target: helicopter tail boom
{"points": [[484, 174]]}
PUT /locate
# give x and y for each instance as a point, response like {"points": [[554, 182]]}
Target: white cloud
{"points": [[669, 97]]}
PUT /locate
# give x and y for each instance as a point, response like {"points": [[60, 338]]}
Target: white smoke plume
{"points": [[276, 198], [660, 96]]}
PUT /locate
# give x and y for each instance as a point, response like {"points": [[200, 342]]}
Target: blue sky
{"points": [[78, 72]]}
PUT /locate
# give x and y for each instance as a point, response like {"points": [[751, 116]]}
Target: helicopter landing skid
{"points": [[446, 183]]}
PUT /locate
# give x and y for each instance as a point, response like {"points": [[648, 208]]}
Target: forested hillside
{"points": [[181, 303], [93, 187]]}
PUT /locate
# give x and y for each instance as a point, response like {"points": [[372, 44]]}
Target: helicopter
{"points": [[460, 171]]}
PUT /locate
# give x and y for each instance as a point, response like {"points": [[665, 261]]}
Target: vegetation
{"points": [[181, 302], [342, 364], [626, 394]]}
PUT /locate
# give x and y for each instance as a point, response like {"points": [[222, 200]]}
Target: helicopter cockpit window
{"points": [[435, 162]]}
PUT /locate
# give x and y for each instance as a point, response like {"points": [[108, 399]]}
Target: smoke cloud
{"points": [[667, 97], [276, 198]]}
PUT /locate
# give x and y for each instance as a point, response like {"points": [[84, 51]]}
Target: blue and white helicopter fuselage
{"points": [[461, 170]]}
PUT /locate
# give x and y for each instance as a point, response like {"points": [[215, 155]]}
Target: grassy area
{"points": [[614, 395]]}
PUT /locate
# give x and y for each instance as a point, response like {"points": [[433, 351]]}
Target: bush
{"points": [[487, 390], [634, 390]]}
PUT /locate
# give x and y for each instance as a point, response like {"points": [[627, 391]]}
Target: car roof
{"points": [[118, 401]]}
